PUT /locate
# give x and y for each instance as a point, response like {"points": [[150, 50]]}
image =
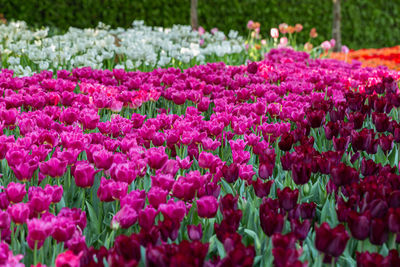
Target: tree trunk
{"points": [[193, 14], [336, 34]]}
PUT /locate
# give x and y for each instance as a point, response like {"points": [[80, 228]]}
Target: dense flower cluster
{"points": [[215, 165], [387, 56], [141, 46]]}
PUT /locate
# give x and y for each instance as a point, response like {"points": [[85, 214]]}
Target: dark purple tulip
{"points": [[265, 170], [331, 130], [394, 258], [343, 175], [386, 142], [357, 118], [331, 241], [397, 134], [323, 165], [127, 248], [262, 188], [307, 210], [373, 146], [337, 114], [361, 140], [380, 104], [369, 167], [301, 173], [231, 172], [315, 118], [271, 222], [354, 101], [378, 208], [394, 220], [252, 67], [286, 142], [286, 257], [345, 128], [287, 160], [381, 121], [359, 225], [378, 232], [287, 241], [287, 198], [367, 259], [294, 213], [300, 229], [228, 202], [394, 199]]}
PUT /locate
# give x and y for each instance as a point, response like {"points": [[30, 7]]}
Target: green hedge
{"points": [[365, 23]]}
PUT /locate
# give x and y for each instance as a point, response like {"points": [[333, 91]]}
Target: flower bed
{"points": [[388, 56], [287, 161], [140, 47]]}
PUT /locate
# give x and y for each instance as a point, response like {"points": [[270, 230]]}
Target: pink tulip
{"points": [[54, 167], [250, 24], [68, 258], [207, 207], [124, 218], [19, 213], [326, 45], [201, 30], [84, 173], [15, 192], [345, 49], [332, 42], [39, 199], [283, 41], [38, 231]]}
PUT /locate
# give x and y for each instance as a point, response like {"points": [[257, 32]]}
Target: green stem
{"points": [[35, 254], [12, 237], [83, 199]]}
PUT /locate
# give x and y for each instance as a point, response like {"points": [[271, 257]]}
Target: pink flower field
{"points": [[289, 161]]}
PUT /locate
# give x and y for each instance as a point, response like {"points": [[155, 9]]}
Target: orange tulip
{"points": [[313, 33]]}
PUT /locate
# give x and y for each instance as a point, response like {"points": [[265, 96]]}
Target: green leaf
{"points": [[328, 212], [227, 187], [94, 221], [255, 238]]}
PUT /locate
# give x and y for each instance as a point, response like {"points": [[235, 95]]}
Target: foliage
{"points": [[364, 23]]}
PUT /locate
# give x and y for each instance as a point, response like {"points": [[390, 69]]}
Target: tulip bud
{"points": [[195, 232]]}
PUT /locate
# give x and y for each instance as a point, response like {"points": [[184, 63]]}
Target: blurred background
{"points": [[364, 23]]}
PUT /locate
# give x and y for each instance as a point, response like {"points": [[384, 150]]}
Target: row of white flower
{"points": [[25, 50]]}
